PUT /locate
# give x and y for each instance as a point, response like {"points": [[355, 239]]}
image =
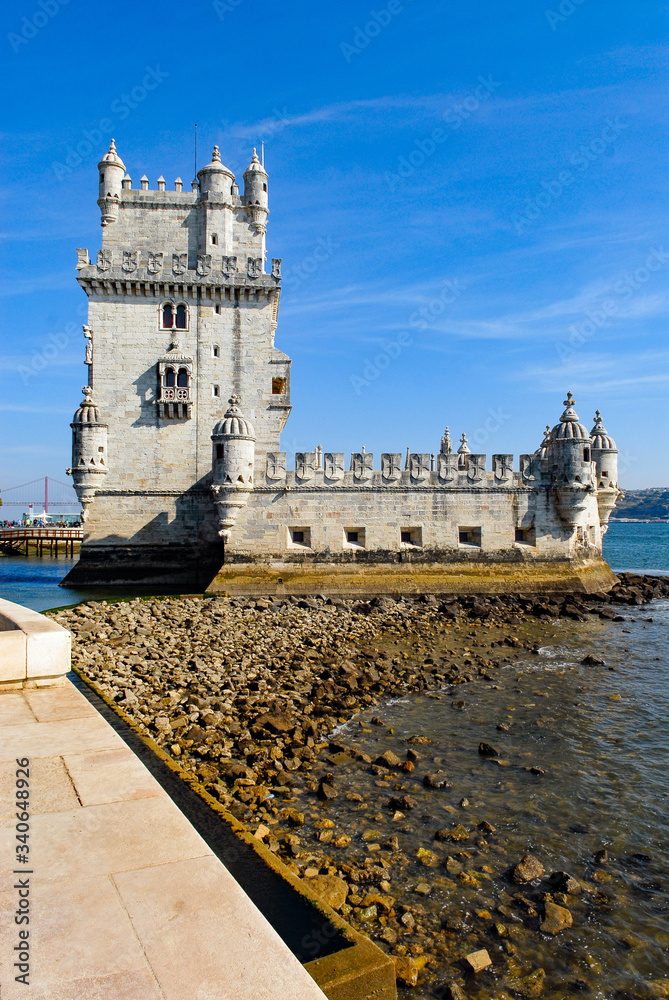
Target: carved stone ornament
{"points": [[475, 468], [154, 262], [179, 263], [203, 264], [83, 260], [305, 463], [104, 260], [502, 466], [419, 467], [333, 465], [276, 465], [129, 261], [362, 464], [527, 468], [254, 267], [88, 334], [391, 466], [276, 267], [447, 467], [229, 266]]}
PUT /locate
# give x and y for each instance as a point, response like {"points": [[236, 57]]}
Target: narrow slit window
{"points": [[217, 309], [214, 239], [215, 353], [216, 390]]}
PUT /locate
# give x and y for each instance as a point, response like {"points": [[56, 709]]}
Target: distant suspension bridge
{"points": [[40, 494]]}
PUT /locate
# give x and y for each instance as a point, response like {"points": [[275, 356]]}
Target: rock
{"points": [[564, 882], [262, 831], [389, 935], [601, 857], [527, 869], [503, 727], [556, 918], [423, 889], [403, 803], [418, 739], [456, 833], [486, 827], [406, 970], [453, 992], [295, 818], [391, 844], [388, 759], [330, 889], [593, 661], [436, 779], [326, 791], [458, 705], [486, 750], [478, 960], [276, 723], [530, 986], [427, 858]]}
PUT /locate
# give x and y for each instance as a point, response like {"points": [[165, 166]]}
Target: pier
{"points": [[19, 540]]}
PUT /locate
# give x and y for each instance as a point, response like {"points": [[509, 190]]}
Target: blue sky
{"points": [[469, 200]]}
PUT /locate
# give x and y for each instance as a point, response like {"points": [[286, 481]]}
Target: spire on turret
{"points": [[464, 448], [446, 443]]}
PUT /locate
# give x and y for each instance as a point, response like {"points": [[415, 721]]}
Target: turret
{"points": [[463, 451], [605, 459], [216, 177], [112, 172], [569, 460], [446, 443], [255, 193], [89, 451], [233, 456]]}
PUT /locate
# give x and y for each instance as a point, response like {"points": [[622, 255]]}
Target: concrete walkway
{"points": [[127, 902]]}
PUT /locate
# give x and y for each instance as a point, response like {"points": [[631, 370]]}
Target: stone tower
{"points": [[181, 315]]}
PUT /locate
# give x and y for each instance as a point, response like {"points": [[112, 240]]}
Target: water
{"points": [[34, 582], [600, 736], [637, 547]]}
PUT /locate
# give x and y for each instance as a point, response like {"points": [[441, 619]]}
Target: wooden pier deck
{"points": [[18, 540]]}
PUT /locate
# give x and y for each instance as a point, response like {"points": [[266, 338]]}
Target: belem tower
{"points": [[176, 452]]}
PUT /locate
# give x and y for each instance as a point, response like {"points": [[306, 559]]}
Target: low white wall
{"points": [[34, 650]]}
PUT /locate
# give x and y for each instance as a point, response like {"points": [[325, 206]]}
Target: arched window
{"points": [[182, 378], [168, 316], [181, 317], [169, 378]]}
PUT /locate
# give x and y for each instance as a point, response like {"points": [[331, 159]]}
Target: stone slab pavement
{"points": [[126, 901]]}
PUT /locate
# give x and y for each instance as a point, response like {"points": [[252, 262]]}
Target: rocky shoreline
{"points": [[248, 695]]}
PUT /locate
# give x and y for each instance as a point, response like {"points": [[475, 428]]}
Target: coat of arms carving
{"points": [[203, 264], [475, 468], [419, 466], [276, 465], [305, 463], [154, 262], [229, 266], [129, 260], [447, 467], [254, 267], [333, 465], [362, 465], [179, 263], [276, 267], [391, 466], [502, 466], [104, 260]]}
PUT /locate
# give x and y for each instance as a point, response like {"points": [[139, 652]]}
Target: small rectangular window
{"points": [[354, 538], [278, 386], [217, 309], [299, 538], [526, 536], [586, 454], [214, 239], [411, 536], [216, 390], [219, 451], [469, 536], [215, 351]]}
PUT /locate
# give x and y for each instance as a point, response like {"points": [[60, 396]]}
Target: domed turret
{"points": [[215, 176], [233, 456], [569, 458], [605, 458], [255, 193], [112, 172], [89, 450]]}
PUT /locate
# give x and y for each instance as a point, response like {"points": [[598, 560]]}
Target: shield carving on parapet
{"points": [[254, 267], [475, 468], [419, 467], [362, 465], [276, 465], [203, 264], [391, 466], [527, 468], [276, 267], [179, 263], [154, 262], [447, 468], [104, 260], [305, 463], [333, 465], [502, 466], [229, 266], [129, 261]]}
